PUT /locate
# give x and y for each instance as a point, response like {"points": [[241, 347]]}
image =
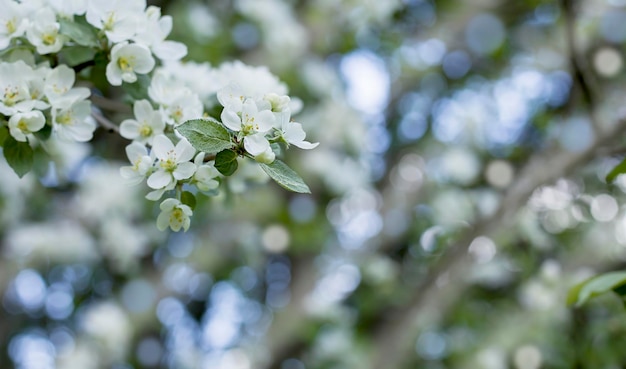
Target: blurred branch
{"points": [[578, 63], [105, 123], [394, 339], [109, 105]]}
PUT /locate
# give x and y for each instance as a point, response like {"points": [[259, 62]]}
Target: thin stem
{"points": [[105, 123]]}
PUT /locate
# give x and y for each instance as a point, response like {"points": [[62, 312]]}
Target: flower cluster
{"points": [[253, 117], [177, 147], [32, 95]]}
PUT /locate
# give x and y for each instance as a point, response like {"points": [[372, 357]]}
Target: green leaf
{"points": [[206, 135], [285, 176], [188, 199], [595, 286], [79, 32], [226, 162], [75, 55], [19, 155], [619, 169], [4, 133]]}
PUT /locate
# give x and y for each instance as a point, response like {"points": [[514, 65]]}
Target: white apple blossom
{"points": [[232, 97], [14, 93], [58, 87], [119, 19], [23, 124], [253, 124], [175, 215], [173, 162], [183, 108], [126, 61], [278, 103], [292, 132], [153, 33], [36, 82], [146, 125], [254, 82], [141, 163], [72, 121], [13, 22], [44, 33], [205, 175]]}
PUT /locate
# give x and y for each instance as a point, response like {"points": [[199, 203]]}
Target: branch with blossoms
{"points": [[176, 147]]}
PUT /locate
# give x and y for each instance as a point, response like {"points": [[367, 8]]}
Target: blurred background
{"points": [[458, 193]]}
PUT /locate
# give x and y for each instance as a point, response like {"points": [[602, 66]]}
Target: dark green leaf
{"points": [[4, 133], [188, 199], [595, 286], [285, 176], [79, 32], [619, 169], [206, 135], [226, 162], [19, 155]]}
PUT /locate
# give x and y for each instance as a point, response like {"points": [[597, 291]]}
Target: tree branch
{"points": [[105, 123]]}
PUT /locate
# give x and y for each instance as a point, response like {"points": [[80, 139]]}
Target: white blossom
{"points": [[292, 133], [141, 163], [13, 22], [119, 19], [153, 33], [126, 61], [173, 162], [58, 87], [174, 214], [146, 125], [44, 33], [253, 124], [205, 175], [23, 124], [72, 121], [14, 93]]}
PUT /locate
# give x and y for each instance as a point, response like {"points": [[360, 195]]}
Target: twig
{"points": [[110, 105], [577, 61], [105, 123]]}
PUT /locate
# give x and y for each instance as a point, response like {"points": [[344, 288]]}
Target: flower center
{"points": [[169, 164], [145, 130], [177, 216], [49, 38], [22, 126], [64, 118], [125, 64], [10, 26]]}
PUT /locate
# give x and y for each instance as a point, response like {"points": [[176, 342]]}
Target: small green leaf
{"points": [[188, 199], [226, 162], [206, 135], [595, 286], [285, 176], [19, 156], [4, 133], [619, 169], [79, 32], [75, 55]]}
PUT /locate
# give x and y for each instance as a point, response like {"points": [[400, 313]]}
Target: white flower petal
{"points": [[256, 144], [159, 179]]}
